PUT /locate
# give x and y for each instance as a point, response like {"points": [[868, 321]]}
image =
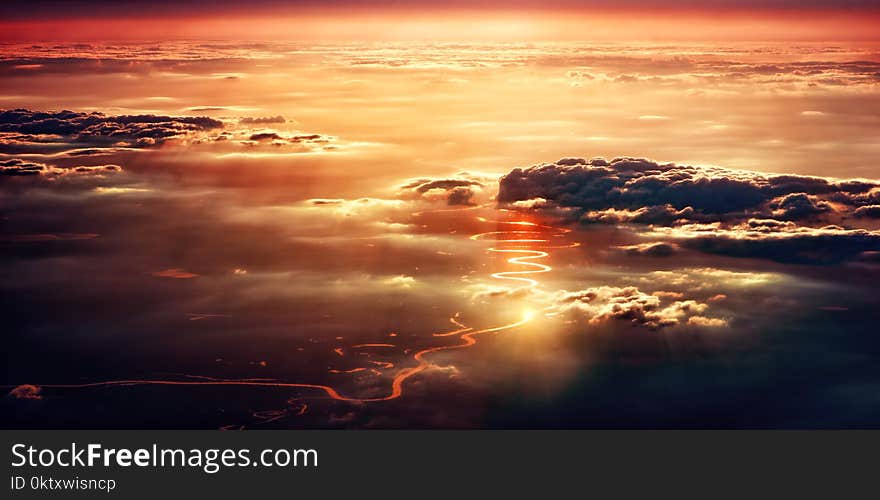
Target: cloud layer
{"points": [[787, 218], [22, 130], [604, 303]]}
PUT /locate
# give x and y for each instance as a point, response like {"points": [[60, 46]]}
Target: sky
{"points": [[452, 21], [415, 215]]}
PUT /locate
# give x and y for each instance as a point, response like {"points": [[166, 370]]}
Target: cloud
{"points": [[425, 185], [783, 74], [17, 173], [657, 214], [485, 293], [786, 218], [531, 203], [26, 391], [261, 120], [711, 193], [277, 139], [871, 211], [401, 281], [367, 208], [708, 280], [707, 322], [782, 243], [605, 303], [21, 167], [265, 136], [204, 109], [797, 206], [23, 130], [656, 249], [456, 191], [176, 273], [460, 196]]}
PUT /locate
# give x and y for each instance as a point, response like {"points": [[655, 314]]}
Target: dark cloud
{"points": [[656, 249], [18, 167], [780, 241], [261, 120], [456, 191], [280, 139], [21, 167], [37, 131], [796, 206], [265, 136], [871, 211], [787, 218], [706, 192], [460, 196], [657, 214], [324, 201], [85, 152], [630, 183], [424, 185]]}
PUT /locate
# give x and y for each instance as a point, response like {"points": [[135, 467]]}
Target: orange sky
{"points": [[457, 25]]}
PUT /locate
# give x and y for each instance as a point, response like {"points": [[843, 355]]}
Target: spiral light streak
{"points": [[530, 254]]}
